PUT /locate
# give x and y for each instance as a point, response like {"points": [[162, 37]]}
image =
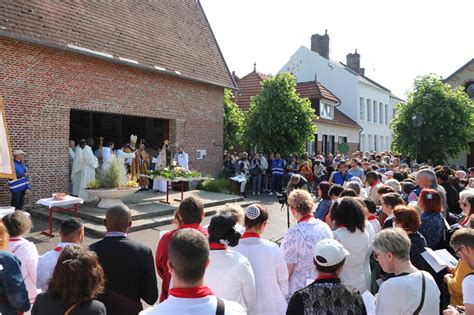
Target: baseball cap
{"points": [[329, 253]]}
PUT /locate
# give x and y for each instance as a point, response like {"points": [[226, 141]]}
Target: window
{"points": [[375, 112], [387, 142], [342, 140], [375, 143], [362, 145], [332, 140], [380, 113], [362, 106], [326, 111], [369, 107], [324, 145], [381, 143], [370, 146], [386, 114]]}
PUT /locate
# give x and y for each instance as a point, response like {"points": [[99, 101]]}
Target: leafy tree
{"points": [[280, 120], [234, 121], [447, 121]]}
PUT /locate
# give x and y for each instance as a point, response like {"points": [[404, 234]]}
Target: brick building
{"points": [[97, 68], [333, 126]]}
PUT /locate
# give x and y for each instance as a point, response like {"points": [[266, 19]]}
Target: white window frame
{"points": [[362, 109]]}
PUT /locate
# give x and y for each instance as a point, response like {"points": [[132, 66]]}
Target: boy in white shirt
{"points": [[188, 258]]}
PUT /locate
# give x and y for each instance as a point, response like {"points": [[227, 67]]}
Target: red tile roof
{"points": [[315, 90], [248, 86], [155, 35]]}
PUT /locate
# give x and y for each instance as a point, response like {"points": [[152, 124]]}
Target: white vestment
{"points": [[182, 159], [89, 164], [76, 172], [159, 185], [121, 156], [106, 157]]}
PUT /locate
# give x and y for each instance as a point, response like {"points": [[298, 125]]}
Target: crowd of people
{"points": [[359, 245]]}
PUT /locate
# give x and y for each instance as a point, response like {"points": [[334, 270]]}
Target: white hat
{"points": [[18, 152], [329, 253], [389, 173]]}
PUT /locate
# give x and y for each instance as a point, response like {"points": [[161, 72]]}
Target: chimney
{"points": [[362, 71], [320, 44], [353, 61]]}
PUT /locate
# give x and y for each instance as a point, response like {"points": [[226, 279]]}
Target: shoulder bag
{"points": [[220, 310], [423, 291]]}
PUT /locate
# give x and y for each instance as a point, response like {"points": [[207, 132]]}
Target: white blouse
{"points": [[298, 249], [271, 275], [354, 271], [230, 276], [28, 254]]}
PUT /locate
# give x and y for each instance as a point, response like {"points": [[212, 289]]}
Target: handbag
{"points": [[423, 291]]}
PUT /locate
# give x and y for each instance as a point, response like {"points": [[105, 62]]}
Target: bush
{"points": [[214, 185]]}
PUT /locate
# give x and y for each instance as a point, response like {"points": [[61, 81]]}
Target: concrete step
{"points": [[96, 228]]}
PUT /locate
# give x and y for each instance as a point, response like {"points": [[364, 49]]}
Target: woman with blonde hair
{"points": [[18, 225], [300, 240], [13, 293]]}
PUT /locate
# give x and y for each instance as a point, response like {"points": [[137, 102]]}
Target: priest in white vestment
{"points": [[159, 185], [76, 171], [182, 158], [89, 164]]}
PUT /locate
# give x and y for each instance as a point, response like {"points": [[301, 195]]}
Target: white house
{"points": [[363, 100]]}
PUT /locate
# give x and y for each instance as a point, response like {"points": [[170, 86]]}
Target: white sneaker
{"points": [[271, 193]]}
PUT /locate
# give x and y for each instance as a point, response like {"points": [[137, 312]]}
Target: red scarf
{"points": [[325, 277], [58, 249], [15, 239], [250, 234], [372, 217], [305, 218], [191, 293], [215, 246]]}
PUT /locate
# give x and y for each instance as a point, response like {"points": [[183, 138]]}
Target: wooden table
{"points": [[70, 203]]}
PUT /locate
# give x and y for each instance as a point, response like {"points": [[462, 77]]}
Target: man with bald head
{"points": [[129, 267]]}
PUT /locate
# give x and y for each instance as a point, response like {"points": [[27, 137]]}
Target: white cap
{"points": [[389, 173], [18, 152], [331, 251]]}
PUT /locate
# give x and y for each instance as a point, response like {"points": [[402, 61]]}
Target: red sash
{"points": [[250, 234], [214, 246], [191, 293], [372, 217]]}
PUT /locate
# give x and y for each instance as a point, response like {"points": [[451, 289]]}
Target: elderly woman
{"points": [[351, 231], [19, 224], [77, 280], [300, 240], [12, 285], [411, 291], [408, 219], [433, 224]]}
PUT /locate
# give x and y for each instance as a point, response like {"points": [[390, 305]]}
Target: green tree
{"points": [[447, 121], [234, 120], [280, 120]]}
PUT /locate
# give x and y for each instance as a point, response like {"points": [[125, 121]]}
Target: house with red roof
{"points": [[333, 126], [92, 69]]}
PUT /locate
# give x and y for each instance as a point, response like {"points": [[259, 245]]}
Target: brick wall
{"points": [[40, 85]]}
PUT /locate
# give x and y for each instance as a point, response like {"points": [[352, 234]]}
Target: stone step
{"points": [[94, 228]]}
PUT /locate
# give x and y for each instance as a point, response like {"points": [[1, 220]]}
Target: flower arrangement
{"points": [[114, 176], [173, 171]]}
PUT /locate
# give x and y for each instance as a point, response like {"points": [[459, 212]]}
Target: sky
{"points": [[397, 40]]}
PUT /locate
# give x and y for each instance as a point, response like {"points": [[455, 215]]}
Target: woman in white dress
{"points": [[18, 225], [351, 230], [300, 240], [229, 275], [269, 267]]}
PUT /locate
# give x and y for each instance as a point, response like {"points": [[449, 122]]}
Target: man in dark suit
{"points": [[128, 266]]}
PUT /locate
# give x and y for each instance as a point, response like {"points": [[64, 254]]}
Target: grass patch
{"points": [[217, 185]]}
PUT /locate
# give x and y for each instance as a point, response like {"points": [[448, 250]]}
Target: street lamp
{"points": [[417, 122]]}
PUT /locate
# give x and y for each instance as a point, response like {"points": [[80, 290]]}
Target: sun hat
{"points": [[329, 253], [18, 152]]}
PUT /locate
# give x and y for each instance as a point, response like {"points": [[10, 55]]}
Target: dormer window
{"points": [[326, 111]]}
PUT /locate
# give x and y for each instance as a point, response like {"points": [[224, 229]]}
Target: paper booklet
{"points": [[439, 259], [369, 302]]}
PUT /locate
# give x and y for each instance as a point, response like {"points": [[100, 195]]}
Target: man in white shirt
{"points": [[182, 158], [462, 242], [71, 232], [188, 255]]}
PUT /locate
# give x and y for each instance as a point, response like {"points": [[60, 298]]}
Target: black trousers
{"points": [[18, 199]]}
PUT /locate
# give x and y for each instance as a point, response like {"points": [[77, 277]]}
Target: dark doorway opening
{"points": [[117, 128]]}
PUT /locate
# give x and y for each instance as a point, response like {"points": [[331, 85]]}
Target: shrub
{"points": [[214, 185]]}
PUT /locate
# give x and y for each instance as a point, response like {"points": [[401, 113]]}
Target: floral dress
{"points": [[298, 249]]}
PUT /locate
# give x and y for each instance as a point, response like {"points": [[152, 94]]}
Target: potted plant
{"points": [[112, 185]]}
